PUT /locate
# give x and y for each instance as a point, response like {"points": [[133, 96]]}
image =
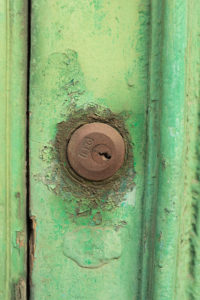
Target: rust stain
{"points": [[60, 178], [32, 242], [18, 197], [20, 290], [20, 239], [97, 218]]}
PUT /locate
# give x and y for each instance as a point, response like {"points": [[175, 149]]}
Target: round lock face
{"points": [[96, 151]]}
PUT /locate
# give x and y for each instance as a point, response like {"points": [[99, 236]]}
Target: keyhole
{"points": [[105, 155], [101, 154]]}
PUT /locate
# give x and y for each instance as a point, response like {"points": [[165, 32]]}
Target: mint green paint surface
{"points": [[83, 54], [188, 256], [171, 149], [170, 222], [13, 70], [140, 59], [135, 240]]}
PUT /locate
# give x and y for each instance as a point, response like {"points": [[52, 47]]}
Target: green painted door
{"points": [[89, 62], [133, 65]]}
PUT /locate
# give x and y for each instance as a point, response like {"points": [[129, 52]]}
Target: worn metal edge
{"points": [[171, 149], [194, 93], [13, 68], [152, 147], [188, 279], [165, 149]]}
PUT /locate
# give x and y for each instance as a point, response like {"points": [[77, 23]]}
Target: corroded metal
{"points": [[96, 151]]}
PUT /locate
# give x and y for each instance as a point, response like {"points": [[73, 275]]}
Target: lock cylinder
{"points": [[96, 151]]}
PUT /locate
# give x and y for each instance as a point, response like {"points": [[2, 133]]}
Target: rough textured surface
{"points": [[91, 247], [171, 243], [136, 66], [169, 175], [89, 62], [188, 279], [20, 290], [13, 82], [121, 183]]}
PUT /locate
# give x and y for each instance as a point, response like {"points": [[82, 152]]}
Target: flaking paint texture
{"points": [[88, 55], [139, 61]]}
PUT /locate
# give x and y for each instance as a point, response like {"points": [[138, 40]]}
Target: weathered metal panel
{"points": [[13, 70], [87, 58], [135, 65], [187, 266], [170, 224]]}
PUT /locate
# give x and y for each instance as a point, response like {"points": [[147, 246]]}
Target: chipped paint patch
{"points": [[92, 247], [67, 82], [32, 242], [63, 181], [20, 236], [20, 290], [130, 198]]}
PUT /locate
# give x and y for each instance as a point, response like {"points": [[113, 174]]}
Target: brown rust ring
{"points": [[96, 151]]}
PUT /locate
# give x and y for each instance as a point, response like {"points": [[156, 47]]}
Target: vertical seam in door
{"points": [[27, 147], [8, 230]]}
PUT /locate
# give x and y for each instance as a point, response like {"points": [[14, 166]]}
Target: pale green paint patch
{"points": [[13, 81], [96, 54], [188, 272], [92, 247], [168, 223], [86, 54]]}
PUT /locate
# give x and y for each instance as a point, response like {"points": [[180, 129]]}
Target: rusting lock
{"points": [[96, 151]]}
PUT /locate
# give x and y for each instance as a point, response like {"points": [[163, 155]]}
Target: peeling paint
{"points": [[20, 236], [32, 242], [80, 79], [61, 179], [20, 290], [92, 247], [65, 129], [67, 83]]}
